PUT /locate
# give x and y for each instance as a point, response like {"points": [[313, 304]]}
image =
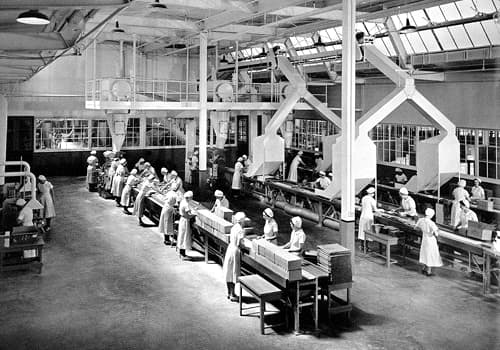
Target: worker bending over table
{"points": [[408, 206], [145, 191], [297, 238], [466, 215], [231, 266], [368, 207], [400, 177], [459, 193], [322, 181], [220, 201], [167, 218], [132, 181]]}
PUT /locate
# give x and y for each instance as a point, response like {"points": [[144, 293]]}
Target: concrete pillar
{"points": [[203, 110], [348, 125], [3, 137]]}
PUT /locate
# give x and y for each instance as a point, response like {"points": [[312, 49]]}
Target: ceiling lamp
{"points": [[157, 5], [319, 43], [117, 28], [33, 17], [408, 27], [224, 59]]}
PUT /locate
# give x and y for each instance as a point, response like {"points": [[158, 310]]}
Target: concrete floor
{"points": [[109, 284]]}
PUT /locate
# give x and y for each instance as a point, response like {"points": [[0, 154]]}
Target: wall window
{"points": [[479, 152], [231, 132], [165, 131], [100, 137], [308, 133], [132, 138], [61, 134]]}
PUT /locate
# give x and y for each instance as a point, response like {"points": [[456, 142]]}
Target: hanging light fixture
{"points": [[408, 27], [224, 59], [117, 28], [319, 42], [157, 5], [33, 17]]}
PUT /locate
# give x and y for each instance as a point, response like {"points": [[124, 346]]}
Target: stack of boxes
{"points": [[224, 213], [214, 224], [490, 204], [278, 260], [337, 261]]}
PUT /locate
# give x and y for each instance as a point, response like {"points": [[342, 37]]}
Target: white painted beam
{"points": [[31, 41], [59, 4], [390, 69]]}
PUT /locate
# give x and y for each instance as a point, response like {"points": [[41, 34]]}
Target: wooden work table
{"points": [[12, 258]]}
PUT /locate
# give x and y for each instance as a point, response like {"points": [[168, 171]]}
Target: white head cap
{"points": [[164, 171], [188, 194], [403, 191], [478, 180], [462, 183], [20, 202], [195, 152], [297, 221], [123, 161], [133, 172], [322, 173], [93, 153], [370, 190], [240, 159], [429, 212], [330, 174], [239, 216], [300, 153], [42, 178], [171, 197], [218, 193], [244, 156], [269, 212], [173, 173], [398, 170]]}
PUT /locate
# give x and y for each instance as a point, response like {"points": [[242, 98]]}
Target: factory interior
{"points": [[250, 174]]}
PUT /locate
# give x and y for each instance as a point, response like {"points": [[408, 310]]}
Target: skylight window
{"points": [[460, 35]]}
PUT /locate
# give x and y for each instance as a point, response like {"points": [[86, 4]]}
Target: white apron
{"points": [[236, 185], [293, 172], [429, 250], [459, 194], [231, 266], [368, 205], [46, 200], [127, 189], [166, 224], [184, 239], [118, 181]]}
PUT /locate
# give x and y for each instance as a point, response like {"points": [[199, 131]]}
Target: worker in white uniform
{"points": [[46, 191], [238, 170], [166, 224], [165, 175], [408, 206], [119, 181], [466, 215], [145, 191], [175, 185], [25, 217], [231, 266], [294, 166], [322, 181], [184, 239], [132, 181], [459, 193], [477, 192], [220, 201], [297, 238], [495, 241], [400, 177], [368, 207], [92, 162], [270, 226], [429, 250]]}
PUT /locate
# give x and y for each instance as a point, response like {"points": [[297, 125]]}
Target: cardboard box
{"points": [[481, 231], [485, 204], [496, 202]]}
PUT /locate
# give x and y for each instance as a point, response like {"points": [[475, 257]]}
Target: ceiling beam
{"points": [[31, 41], [58, 4], [20, 62], [15, 71], [240, 28], [148, 22]]}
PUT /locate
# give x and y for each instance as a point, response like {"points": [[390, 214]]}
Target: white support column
{"points": [[203, 103], [134, 68], [3, 137], [348, 125]]}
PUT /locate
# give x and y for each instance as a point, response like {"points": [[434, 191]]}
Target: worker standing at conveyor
{"points": [[238, 170], [92, 162], [429, 250], [46, 191], [146, 190], [166, 224], [270, 226], [368, 207], [220, 201], [184, 239], [231, 266], [132, 181], [322, 181], [459, 193], [119, 181], [477, 192], [175, 185], [466, 215], [297, 237], [408, 206], [294, 166]]}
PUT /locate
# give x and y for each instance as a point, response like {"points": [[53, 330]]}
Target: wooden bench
{"points": [[386, 240], [263, 291]]}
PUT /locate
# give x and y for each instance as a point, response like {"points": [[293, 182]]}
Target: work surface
{"points": [[109, 284]]}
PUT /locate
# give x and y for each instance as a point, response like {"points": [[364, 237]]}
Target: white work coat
{"points": [[368, 206], [429, 250], [409, 207], [270, 230], [477, 192], [293, 173], [26, 216], [466, 217], [119, 181], [297, 238], [166, 224], [238, 169], [127, 189], [46, 200], [222, 202], [231, 266], [184, 239], [459, 194]]}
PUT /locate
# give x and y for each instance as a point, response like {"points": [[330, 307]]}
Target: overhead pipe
{"points": [[306, 214]]}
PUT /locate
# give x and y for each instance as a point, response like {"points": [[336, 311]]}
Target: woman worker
{"points": [[231, 266], [25, 217], [238, 170], [119, 180], [408, 206], [145, 191], [132, 181], [477, 192], [429, 250], [166, 225], [459, 193], [92, 162], [368, 207], [466, 215], [297, 238], [46, 191], [294, 165], [270, 226], [220, 201], [184, 240], [175, 185]]}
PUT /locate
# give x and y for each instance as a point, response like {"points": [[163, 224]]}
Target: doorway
{"points": [[20, 138], [242, 135]]}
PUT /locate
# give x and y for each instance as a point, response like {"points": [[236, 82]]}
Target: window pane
{"points": [[379, 44], [445, 39], [419, 18], [389, 46], [61, 134], [435, 14], [492, 30], [486, 6], [477, 34], [450, 12], [406, 44], [466, 8], [416, 42], [460, 35], [429, 40]]}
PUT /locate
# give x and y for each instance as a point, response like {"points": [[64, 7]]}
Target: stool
{"points": [[263, 291]]}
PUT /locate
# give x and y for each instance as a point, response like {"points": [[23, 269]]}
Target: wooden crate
{"points": [[485, 204], [479, 230]]}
